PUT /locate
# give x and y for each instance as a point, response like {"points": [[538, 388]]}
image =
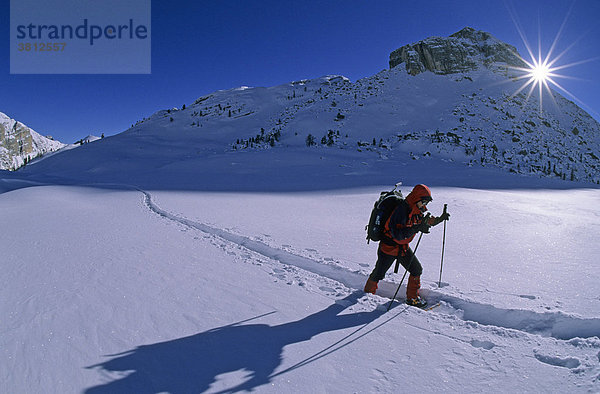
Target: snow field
{"points": [[217, 292]]}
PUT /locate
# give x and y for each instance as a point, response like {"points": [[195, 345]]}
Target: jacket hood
{"points": [[418, 193]]}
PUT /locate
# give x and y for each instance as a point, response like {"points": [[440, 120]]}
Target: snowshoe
{"points": [[418, 302]]}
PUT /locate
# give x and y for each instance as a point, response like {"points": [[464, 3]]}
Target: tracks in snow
{"points": [[554, 324], [352, 280]]}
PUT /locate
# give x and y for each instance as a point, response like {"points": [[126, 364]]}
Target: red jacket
{"points": [[399, 227]]}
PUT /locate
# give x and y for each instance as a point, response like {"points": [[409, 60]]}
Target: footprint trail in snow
{"points": [[558, 325]]}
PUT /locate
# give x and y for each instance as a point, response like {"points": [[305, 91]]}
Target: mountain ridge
{"points": [[464, 50], [20, 144], [477, 117]]}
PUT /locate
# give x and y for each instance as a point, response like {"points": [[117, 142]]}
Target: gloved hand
{"points": [[444, 216], [422, 227]]}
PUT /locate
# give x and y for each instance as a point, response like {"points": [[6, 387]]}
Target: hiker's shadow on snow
{"points": [[192, 364]]}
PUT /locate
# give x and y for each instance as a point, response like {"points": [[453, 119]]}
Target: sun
{"points": [[540, 73]]}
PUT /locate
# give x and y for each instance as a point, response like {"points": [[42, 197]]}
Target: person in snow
{"points": [[404, 223]]}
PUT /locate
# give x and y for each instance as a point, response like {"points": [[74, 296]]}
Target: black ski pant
{"points": [[384, 261]]}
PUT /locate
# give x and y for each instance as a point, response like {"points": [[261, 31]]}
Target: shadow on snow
{"points": [[194, 363]]}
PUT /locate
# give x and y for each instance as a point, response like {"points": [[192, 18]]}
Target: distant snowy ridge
{"points": [[19, 144], [90, 138], [462, 105]]}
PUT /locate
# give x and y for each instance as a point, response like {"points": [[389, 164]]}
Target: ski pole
{"points": [[443, 247], [402, 280]]}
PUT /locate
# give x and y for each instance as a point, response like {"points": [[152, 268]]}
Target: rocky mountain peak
{"points": [[472, 34], [19, 144], [465, 50]]}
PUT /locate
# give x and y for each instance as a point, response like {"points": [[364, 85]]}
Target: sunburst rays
{"points": [[542, 72]]}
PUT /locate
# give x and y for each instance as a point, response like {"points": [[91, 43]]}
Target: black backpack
{"points": [[382, 209]]}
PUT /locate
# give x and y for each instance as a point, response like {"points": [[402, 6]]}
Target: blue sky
{"points": [[202, 46]]}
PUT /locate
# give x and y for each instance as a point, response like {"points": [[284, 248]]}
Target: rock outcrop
{"points": [[462, 51], [19, 144]]}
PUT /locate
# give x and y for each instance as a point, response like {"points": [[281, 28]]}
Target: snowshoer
{"points": [[400, 229]]}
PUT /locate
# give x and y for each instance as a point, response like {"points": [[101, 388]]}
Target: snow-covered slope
{"points": [[475, 117], [19, 144]]}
